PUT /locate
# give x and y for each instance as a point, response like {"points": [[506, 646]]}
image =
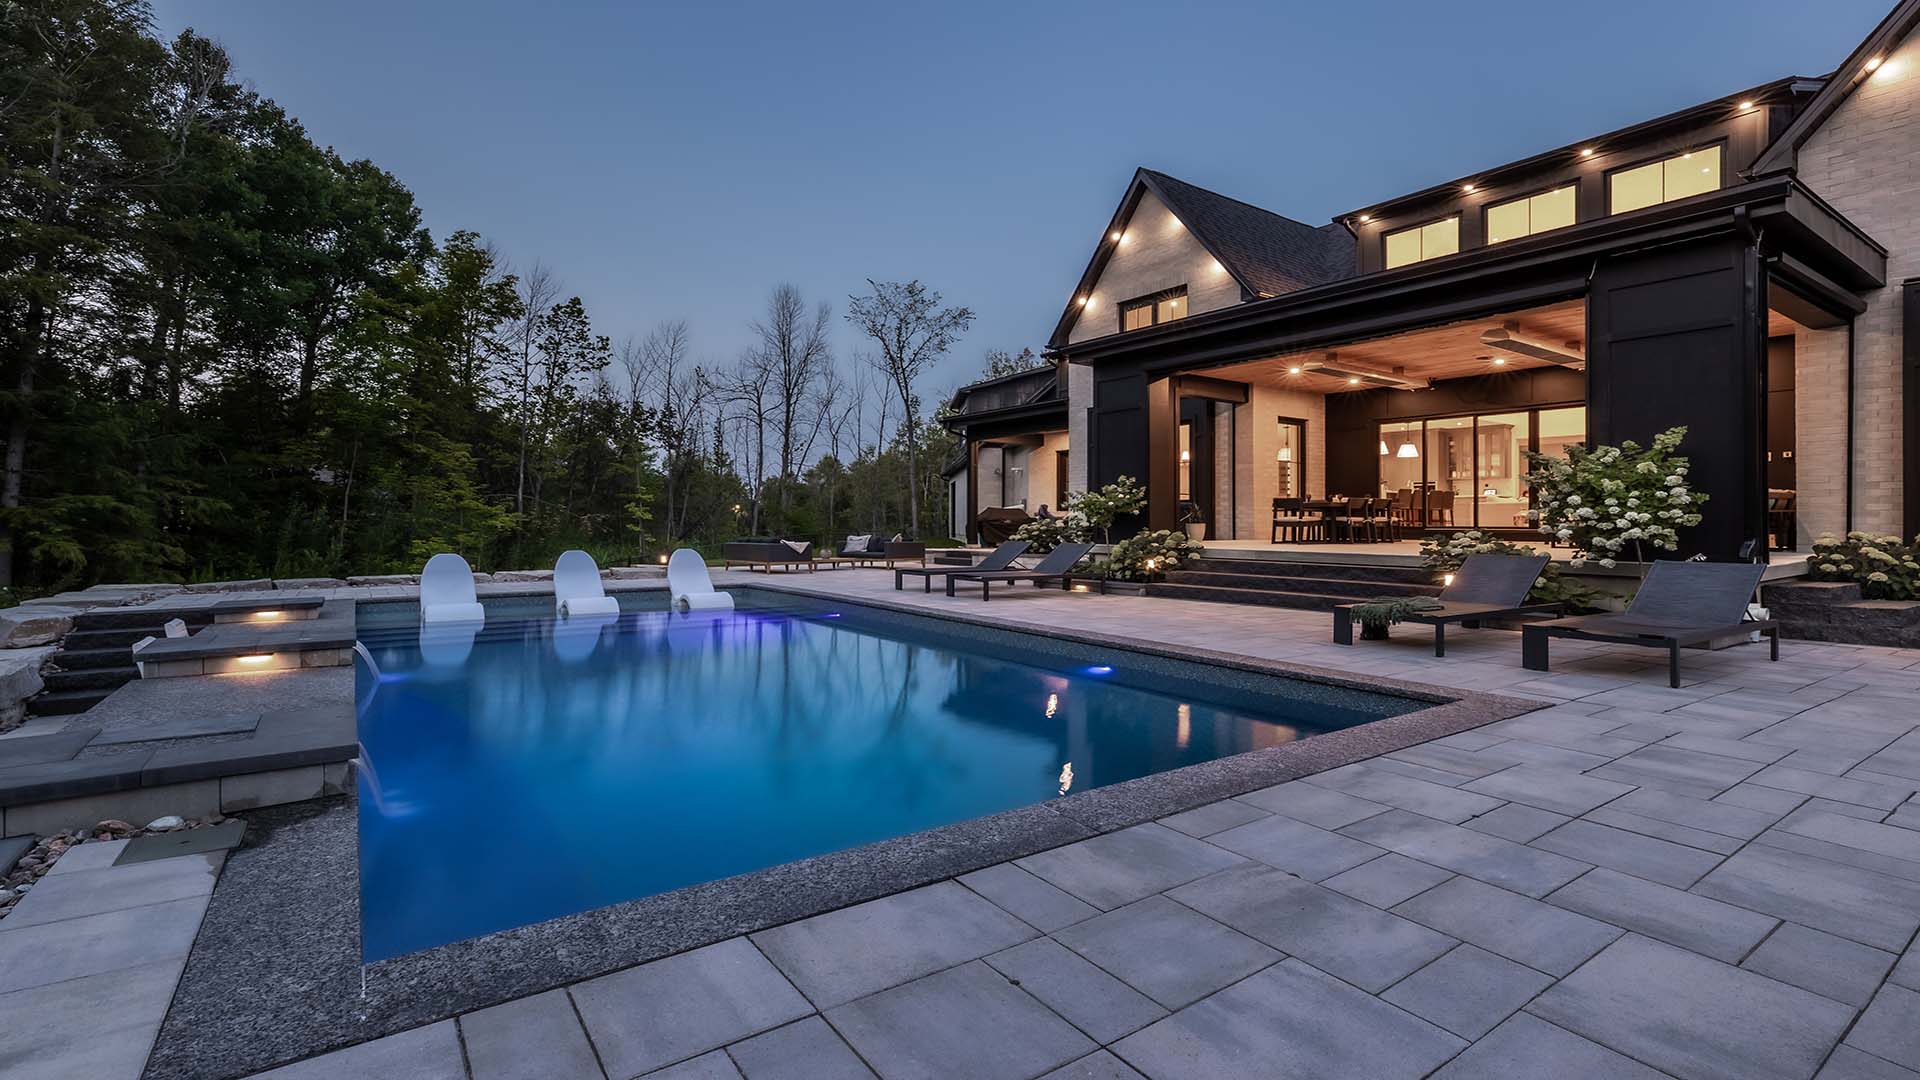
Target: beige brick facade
{"points": [[1865, 161], [1156, 252]]}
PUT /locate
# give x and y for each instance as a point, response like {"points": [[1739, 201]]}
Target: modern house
{"points": [[1740, 267], [1013, 433]]}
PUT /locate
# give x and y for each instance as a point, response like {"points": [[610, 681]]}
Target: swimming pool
{"points": [[543, 768]]}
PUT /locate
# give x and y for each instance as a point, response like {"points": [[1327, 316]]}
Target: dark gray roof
{"points": [[1268, 253]]}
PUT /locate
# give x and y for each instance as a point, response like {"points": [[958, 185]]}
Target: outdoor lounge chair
{"points": [[577, 589], [1000, 558], [1056, 566], [690, 585], [1679, 604], [446, 591], [1485, 586]]}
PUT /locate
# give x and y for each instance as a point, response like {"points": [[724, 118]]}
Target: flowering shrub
{"points": [[1885, 568], [1100, 509], [1144, 555], [1044, 534], [1443, 554], [1615, 500]]}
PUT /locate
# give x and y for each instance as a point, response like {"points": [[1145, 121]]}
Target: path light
{"points": [[1080, 588], [663, 560], [255, 658], [268, 616], [1446, 579]]}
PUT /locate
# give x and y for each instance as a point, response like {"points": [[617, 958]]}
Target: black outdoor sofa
{"points": [[1679, 604], [998, 559], [1056, 566], [879, 551], [1485, 586], [768, 553]]}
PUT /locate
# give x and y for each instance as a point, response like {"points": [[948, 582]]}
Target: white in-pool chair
{"points": [[690, 586], [446, 591], [577, 589]]}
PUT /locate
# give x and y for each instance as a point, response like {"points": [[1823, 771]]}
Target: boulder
{"points": [[19, 680], [34, 624], [245, 585]]}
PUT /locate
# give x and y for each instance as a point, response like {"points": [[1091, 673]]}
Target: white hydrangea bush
{"points": [[1614, 502]]}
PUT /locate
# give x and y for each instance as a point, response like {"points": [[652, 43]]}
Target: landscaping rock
{"points": [[523, 575], [628, 573], [308, 583], [171, 821], [19, 680], [34, 624], [384, 579], [245, 585]]}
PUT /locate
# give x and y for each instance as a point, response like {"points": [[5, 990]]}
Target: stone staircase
{"points": [[1309, 586], [96, 658]]}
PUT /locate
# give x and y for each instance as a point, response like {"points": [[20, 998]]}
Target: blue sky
{"points": [[677, 161]]}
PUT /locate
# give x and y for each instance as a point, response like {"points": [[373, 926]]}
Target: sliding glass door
{"points": [[1470, 471]]}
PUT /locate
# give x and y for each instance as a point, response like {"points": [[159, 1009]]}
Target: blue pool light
{"points": [[1100, 669]]}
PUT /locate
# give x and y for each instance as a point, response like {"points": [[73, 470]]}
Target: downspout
{"points": [[1850, 379]]}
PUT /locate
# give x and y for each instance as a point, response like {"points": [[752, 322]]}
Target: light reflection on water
{"points": [[534, 769]]}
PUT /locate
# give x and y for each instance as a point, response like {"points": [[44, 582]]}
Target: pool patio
{"points": [[1717, 881]]}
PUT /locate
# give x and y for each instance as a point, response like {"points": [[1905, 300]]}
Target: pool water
{"points": [[542, 768]]}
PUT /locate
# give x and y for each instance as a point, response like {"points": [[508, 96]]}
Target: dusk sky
{"points": [[677, 161]]}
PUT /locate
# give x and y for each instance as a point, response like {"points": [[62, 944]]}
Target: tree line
{"points": [[227, 351]]}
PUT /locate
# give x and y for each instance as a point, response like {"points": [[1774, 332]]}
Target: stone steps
{"points": [[97, 678], [65, 702], [88, 659]]}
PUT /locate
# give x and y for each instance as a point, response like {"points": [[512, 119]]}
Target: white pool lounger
{"points": [[692, 588], [577, 589], [446, 591]]}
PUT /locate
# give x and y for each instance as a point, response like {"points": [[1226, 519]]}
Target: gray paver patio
{"points": [[1634, 932]]}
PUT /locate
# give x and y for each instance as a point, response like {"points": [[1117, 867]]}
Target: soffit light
{"points": [[1364, 218], [1873, 64], [1745, 105], [1114, 236], [1294, 370], [1468, 188], [1588, 152]]}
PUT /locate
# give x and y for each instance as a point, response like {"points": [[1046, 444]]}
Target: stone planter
{"points": [[1123, 588], [1835, 611]]}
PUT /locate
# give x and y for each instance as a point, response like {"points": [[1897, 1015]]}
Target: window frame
{"points": [[1151, 301], [1486, 231], [1459, 246], [1606, 191]]}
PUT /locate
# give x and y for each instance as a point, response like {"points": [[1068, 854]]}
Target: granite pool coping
{"points": [[284, 920]]}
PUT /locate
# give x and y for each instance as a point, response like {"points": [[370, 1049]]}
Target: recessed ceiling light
{"points": [[1745, 105], [1499, 361], [1364, 218], [1114, 236], [1353, 380], [1293, 370], [1873, 63], [1085, 300], [1588, 152], [1468, 188]]}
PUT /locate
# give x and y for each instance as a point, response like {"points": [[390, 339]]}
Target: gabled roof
{"points": [[1265, 253], [1845, 79]]}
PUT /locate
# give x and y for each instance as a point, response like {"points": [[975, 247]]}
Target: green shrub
{"points": [[1100, 509], [1612, 502], [1444, 554], [1044, 534], [1884, 567], [1145, 555]]}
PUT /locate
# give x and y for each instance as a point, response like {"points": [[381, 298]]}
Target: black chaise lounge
{"points": [[1679, 604], [1057, 566], [998, 559], [1485, 586]]}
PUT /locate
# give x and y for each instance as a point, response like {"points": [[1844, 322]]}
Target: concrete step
{"points": [[1300, 584], [88, 659], [139, 618], [1261, 597], [1338, 571], [65, 702], [100, 678], [120, 638]]}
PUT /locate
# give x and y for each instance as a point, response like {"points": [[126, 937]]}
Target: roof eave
{"points": [[1781, 153]]}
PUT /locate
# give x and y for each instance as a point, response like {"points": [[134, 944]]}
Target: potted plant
{"points": [[1192, 520], [1375, 616]]}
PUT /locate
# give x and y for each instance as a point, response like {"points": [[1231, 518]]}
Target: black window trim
{"points": [[1459, 215], [1572, 182], [1152, 302]]}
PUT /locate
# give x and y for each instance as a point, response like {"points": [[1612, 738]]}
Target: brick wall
{"points": [[1259, 437], [1865, 160], [1156, 252]]}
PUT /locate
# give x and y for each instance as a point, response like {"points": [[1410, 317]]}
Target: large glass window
{"points": [[1691, 173], [1152, 310], [1422, 242], [1533, 214], [1470, 471]]}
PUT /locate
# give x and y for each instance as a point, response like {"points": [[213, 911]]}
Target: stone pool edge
{"points": [[274, 975]]}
